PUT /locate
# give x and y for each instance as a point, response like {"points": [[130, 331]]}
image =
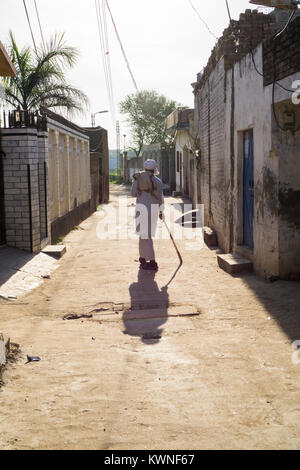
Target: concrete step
{"points": [[235, 264], [57, 251]]}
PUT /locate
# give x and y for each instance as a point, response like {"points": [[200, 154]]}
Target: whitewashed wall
{"points": [[69, 169]]}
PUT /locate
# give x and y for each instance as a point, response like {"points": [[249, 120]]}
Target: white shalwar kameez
{"points": [[147, 211]]}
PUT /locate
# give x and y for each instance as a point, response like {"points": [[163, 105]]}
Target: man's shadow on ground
{"points": [[149, 309]]}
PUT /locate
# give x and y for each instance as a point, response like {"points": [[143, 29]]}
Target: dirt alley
{"points": [[222, 379]]}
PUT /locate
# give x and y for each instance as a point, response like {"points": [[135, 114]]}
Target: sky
{"points": [[165, 42]]}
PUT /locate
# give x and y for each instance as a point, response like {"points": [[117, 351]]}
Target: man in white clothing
{"points": [[148, 189]]}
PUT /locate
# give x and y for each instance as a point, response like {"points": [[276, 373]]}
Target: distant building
{"points": [[180, 125], [100, 161], [113, 158]]}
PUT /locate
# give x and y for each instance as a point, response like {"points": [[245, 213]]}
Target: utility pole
{"points": [[118, 143], [124, 160], [123, 155]]}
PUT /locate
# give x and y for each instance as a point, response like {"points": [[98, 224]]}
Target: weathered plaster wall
{"points": [[286, 147], [69, 169], [253, 111], [230, 98], [276, 169]]}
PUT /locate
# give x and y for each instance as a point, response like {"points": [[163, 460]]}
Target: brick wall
{"points": [[284, 53], [211, 109], [23, 188]]}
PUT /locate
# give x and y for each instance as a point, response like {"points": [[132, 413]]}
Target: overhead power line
{"points": [[107, 58], [38, 17], [287, 24], [202, 20], [30, 26], [104, 47], [228, 10], [121, 45], [275, 42]]}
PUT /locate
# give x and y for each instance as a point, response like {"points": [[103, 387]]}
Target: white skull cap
{"points": [[150, 165]]}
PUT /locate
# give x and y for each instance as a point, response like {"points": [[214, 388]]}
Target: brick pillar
{"points": [[43, 186], [21, 188]]}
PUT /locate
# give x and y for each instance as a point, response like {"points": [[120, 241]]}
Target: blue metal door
{"points": [[248, 189]]}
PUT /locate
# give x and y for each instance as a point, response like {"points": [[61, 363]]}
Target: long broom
{"points": [[177, 251]]}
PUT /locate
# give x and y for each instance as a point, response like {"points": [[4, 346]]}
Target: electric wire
{"points": [[105, 58], [102, 53], [275, 38], [277, 35], [262, 75], [121, 45], [228, 10], [38, 17], [202, 20], [273, 92], [275, 82], [105, 54], [30, 26], [102, 48], [287, 24]]}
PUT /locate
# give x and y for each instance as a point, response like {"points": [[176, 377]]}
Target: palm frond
{"points": [[41, 76]]}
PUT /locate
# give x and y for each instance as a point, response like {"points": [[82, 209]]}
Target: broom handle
{"points": [[173, 241]]}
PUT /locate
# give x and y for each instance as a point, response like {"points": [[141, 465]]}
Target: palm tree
{"points": [[40, 78]]}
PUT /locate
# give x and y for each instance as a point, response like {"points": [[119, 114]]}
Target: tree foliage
{"points": [[146, 112], [41, 78]]}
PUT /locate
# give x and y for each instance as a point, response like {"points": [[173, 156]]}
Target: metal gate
{"points": [[248, 189]]}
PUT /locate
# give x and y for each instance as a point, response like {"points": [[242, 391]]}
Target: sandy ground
{"points": [[221, 380]]}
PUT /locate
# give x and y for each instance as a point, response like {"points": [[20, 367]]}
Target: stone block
{"points": [[210, 237], [57, 251], [235, 264]]}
